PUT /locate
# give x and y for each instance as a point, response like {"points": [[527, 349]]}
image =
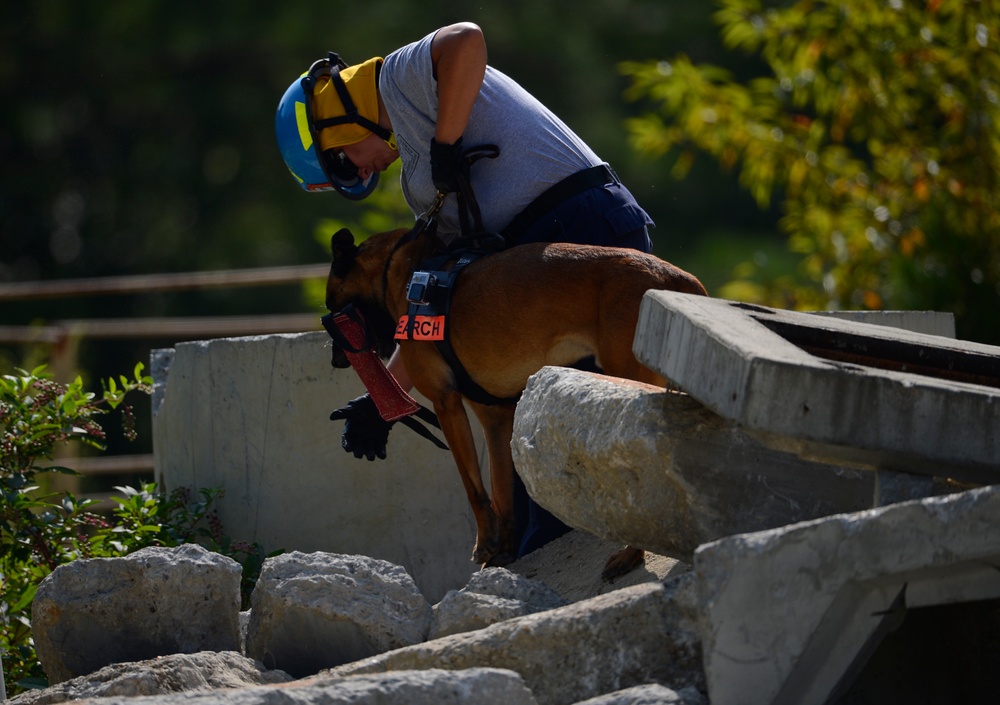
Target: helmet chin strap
{"points": [[331, 67]]}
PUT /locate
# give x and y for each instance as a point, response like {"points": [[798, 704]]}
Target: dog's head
{"points": [[357, 277]]}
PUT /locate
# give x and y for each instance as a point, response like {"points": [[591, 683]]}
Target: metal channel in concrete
{"points": [[838, 390]]}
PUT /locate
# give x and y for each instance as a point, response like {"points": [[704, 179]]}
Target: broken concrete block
{"points": [[489, 686], [492, 595], [940, 323], [633, 636], [156, 601], [484, 686], [253, 415], [177, 673], [317, 610], [639, 465], [648, 695]]}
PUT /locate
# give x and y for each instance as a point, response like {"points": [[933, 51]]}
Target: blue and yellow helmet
{"points": [[317, 169]]}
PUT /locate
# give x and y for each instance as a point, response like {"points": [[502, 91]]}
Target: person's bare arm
{"points": [[458, 53], [398, 370]]}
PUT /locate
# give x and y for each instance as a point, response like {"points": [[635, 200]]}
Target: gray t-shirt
{"points": [[537, 149]]}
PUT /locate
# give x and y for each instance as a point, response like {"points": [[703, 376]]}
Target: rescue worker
{"points": [[427, 103]]}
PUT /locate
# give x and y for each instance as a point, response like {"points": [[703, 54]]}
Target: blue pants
{"points": [[607, 216]]}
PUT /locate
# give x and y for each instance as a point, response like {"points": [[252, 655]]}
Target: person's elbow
{"points": [[467, 32], [461, 39]]}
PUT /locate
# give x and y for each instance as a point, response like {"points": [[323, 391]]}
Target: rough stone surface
{"points": [[648, 695], [156, 601], [634, 636], [317, 610], [178, 673], [787, 611], [572, 564], [429, 687], [655, 469], [492, 595]]}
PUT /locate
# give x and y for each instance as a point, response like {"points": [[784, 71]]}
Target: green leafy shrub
{"points": [[40, 531], [145, 517]]}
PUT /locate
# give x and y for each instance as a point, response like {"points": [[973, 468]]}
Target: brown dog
{"points": [[511, 314]]}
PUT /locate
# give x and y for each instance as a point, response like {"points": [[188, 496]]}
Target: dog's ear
{"points": [[343, 249], [342, 244]]}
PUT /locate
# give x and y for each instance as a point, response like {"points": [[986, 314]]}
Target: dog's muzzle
{"points": [[341, 346]]}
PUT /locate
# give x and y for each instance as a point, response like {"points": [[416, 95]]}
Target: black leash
{"points": [[427, 222], [473, 235], [428, 416]]}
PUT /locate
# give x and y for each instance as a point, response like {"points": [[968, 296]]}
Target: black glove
{"points": [[447, 165], [365, 433]]}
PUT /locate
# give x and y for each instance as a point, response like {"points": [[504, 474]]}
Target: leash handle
{"points": [[429, 417]]}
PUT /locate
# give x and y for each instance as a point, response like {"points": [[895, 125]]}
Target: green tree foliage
{"points": [[878, 131]]}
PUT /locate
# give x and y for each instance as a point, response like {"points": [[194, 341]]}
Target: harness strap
{"points": [[351, 111], [555, 195], [466, 385], [463, 380]]}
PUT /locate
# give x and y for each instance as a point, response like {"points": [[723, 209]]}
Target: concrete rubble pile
{"points": [[828, 490], [338, 628]]}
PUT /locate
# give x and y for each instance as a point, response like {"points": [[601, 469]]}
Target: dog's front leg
{"points": [[455, 426], [498, 426]]}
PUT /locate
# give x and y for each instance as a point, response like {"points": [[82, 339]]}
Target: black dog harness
{"points": [[427, 318], [430, 288]]}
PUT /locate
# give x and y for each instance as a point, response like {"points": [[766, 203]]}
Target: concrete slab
{"points": [[842, 391], [929, 322], [637, 464], [790, 615], [251, 415]]}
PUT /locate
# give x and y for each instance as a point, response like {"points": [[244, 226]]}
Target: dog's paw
{"points": [[621, 562], [484, 553], [499, 560]]}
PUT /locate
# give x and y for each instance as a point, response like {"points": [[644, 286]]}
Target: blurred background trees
{"points": [[137, 137], [876, 128], [831, 154]]}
